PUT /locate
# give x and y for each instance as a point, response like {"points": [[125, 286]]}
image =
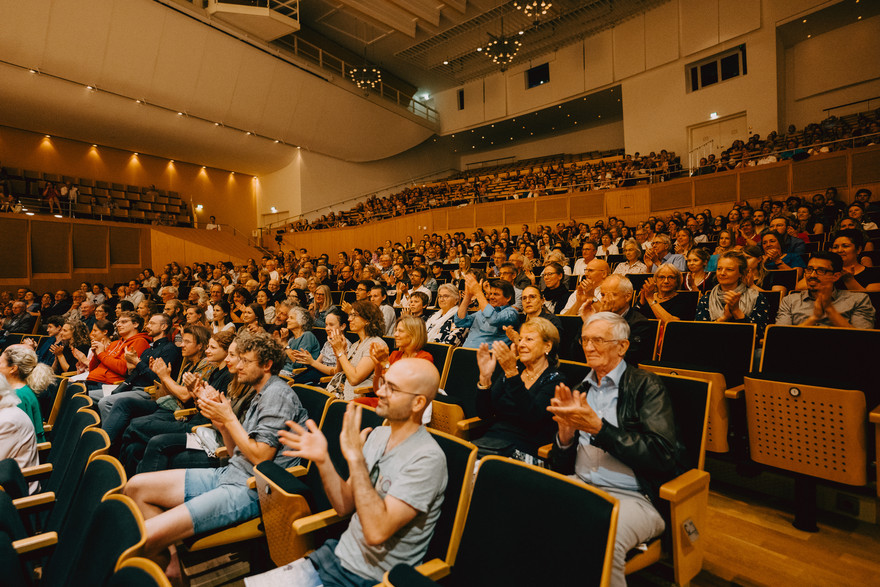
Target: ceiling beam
{"points": [[388, 14], [428, 10], [459, 5]]}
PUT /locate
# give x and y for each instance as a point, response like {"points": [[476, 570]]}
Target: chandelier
{"points": [[502, 49], [533, 8], [366, 78]]}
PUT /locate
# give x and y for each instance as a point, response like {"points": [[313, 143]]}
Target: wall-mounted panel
{"points": [[819, 173], [491, 215], [599, 60], [551, 209], [631, 205], [438, 220], [14, 244], [672, 196], [128, 58], [74, 52], [460, 218], [518, 212], [587, 205], [737, 17], [89, 246], [50, 247], [866, 167], [712, 189], [125, 246], [698, 20], [490, 97], [567, 72], [629, 47], [661, 34], [763, 182]]}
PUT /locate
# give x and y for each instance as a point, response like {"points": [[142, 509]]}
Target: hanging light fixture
{"points": [[533, 8], [501, 49], [366, 78]]}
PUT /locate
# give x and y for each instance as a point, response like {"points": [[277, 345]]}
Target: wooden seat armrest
{"points": [[874, 416], [222, 453], [735, 392], [68, 374], [37, 470], [469, 423], [326, 379], [317, 521], [685, 486], [30, 501], [544, 451], [434, 569], [363, 390], [296, 471], [193, 429], [42, 446], [184, 413], [38, 542], [47, 427]]}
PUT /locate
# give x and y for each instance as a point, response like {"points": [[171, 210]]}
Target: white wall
{"points": [[599, 138], [822, 72]]}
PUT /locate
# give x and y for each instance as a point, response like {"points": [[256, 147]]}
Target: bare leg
{"points": [[156, 492], [166, 529]]}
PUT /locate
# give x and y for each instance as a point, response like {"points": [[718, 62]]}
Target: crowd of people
{"points": [[228, 339], [527, 180]]}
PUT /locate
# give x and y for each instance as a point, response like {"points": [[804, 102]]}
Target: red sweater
{"points": [[110, 366]]}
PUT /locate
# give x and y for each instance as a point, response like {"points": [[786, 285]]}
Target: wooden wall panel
{"points": [[89, 246], [489, 215], [438, 220], [519, 211], [631, 205], [817, 174], [50, 247], [459, 218], [763, 182], [13, 248], [712, 189], [125, 246], [551, 209], [866, 167], [671, 196], [589, 204]]}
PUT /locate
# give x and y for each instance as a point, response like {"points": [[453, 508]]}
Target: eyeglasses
{"points": [[820, 271], [381, 382], [597, 342]]}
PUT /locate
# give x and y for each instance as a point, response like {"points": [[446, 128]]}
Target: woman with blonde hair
{"points": [[321, 305], [18, 439], [28, 377]]}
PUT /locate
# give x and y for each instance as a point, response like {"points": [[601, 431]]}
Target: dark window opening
{"points": [[461, 99], [538, 75]]}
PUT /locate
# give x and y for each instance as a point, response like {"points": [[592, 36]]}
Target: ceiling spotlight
{"points": [[248, 133], [94, 146], [90, 87], [180, 113], [135, 154], [216, 124], [446, 63], [479, 48], [139, 101], [48, 136], [203, 167], [171, 160], [273, 209], [32, 70], [199, 207], [277, 141]]}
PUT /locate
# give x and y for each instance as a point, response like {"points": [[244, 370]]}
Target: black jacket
{"points": [[645, 439]]}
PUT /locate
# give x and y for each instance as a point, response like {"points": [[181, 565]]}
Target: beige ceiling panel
{"points": [[599, 60], [218, 66], [251, 87], [428, 10], [77, 39], [567, 72], [629, 47], [23, 29], [661, 35], [132, 45]]}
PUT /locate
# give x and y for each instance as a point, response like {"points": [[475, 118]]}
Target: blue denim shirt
{"points": [[487, 325]]}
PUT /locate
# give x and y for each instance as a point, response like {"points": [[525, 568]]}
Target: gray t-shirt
{"points": [[413, 472], [270, 409], [357, 352]]}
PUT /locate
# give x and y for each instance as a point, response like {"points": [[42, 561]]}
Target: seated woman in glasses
{"points": [[514, 405], [659, 297]]}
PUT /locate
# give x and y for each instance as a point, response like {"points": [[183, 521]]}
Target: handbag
{"points": [[337, 385]]}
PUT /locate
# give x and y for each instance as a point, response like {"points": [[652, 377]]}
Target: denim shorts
{"points": [[212, 505]]}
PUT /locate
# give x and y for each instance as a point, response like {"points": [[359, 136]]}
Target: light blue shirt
{"points": [[675, 259], [593, 465], [487, 325]]}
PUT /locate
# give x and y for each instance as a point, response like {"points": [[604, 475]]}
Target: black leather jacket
{"points": [[645, 439]]}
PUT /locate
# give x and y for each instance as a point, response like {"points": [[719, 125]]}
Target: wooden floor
{"points": [[750, 541]]}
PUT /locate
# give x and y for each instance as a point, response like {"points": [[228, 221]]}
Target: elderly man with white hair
{"points": [[617, 433]]}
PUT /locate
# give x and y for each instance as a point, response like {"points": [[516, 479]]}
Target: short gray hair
{"points": [[619, 326], [663, 238], [303, 317], [449, 288]]}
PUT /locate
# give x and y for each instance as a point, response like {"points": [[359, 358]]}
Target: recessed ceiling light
{"points": [[479, 48], [216, 124], [32, 70], [135, 154], [445, 63], [171, 160], [805, 20], [48, 136], [139, 101], [203, 167], [277, 141], [90, 87], [94, 146], [180, 113]]}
